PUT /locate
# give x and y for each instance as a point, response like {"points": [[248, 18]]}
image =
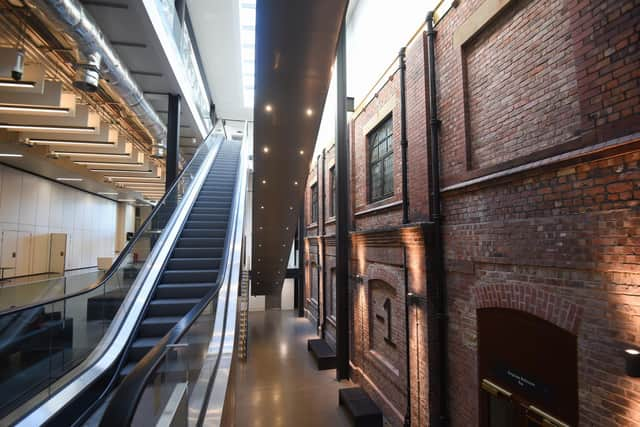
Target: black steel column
{"points": [[342, 213], [173, 140], [301, 265]]}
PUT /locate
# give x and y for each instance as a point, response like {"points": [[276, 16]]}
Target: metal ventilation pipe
{"points": [[73, 20]]}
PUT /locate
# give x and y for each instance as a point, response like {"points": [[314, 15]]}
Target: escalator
{"points": [[171, 288], [192, 269]]}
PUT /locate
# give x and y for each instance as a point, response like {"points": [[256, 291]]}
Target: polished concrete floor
{"points": [[279, 384]]}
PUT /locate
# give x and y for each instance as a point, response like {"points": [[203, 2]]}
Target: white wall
{"points": [[32, 207], [376, 30], [286, 297], [125, 223]]}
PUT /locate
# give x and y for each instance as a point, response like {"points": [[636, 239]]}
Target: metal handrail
{"points": [[121, 256], [123, 405]]}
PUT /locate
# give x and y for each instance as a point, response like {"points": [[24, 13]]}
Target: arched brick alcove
{"points": [[530, 299]]}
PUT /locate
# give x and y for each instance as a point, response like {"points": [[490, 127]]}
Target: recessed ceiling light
{"points": [[127, 200], [290, 208], [14, 83], [264, 181], [309, 112], [295, 182], [259, 245], [261, 206], [261, 227], [10, 155], [265, 149], [301, 152], [69, 179], [286, 228], [268, 108], [106, 193]]}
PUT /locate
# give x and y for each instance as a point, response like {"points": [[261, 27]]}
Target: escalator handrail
{"points": [[123, 405], [121, 256]]}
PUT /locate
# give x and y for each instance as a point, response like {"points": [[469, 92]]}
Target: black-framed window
{"points": [[332, 191], [314, 203], [380, 158]]}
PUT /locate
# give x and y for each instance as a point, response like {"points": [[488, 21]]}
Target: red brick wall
{"points": [[520, 84], [550, 85]]}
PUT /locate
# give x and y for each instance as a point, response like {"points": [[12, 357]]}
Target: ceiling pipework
{"points": [[94, 49]]}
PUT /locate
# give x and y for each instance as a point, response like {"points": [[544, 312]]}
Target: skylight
{"points": [[248, 51]]}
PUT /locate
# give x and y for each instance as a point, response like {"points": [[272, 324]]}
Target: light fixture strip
{"points": [[10, 155], [54, 128], [82, 154], [119, 171], [134, 178], [120, 164], [70, 142], [69, 179], [20, 84], [33, 109]]}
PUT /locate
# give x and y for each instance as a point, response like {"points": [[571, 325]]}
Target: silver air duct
{"points": [[94, 49]]}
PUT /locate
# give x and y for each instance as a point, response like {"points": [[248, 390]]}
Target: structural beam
{"points": [[342, 214], [300, 278]]}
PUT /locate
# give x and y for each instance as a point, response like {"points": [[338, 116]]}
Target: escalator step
{"points": [[189, 276], [171, 307], [200, 242], [190, 263], [157, 326], [201, 252], [183, 290]]}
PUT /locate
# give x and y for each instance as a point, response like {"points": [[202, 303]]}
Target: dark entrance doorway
{"points": [[528, 371]]}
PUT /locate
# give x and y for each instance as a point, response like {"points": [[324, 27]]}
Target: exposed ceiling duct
{"points": [[73, 20]]}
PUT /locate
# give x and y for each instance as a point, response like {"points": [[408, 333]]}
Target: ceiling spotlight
{"points": [[284, 246], [301, 152], [268, 108], [261, 206], [264, 181], [18, 68], [265, 149], [286, 228], [290, 208], [309, 112], [87, 75], [295, 182], [259, 245], [261, 227]]}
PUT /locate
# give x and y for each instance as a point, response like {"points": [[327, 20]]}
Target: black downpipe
{"points": [[407, 414], [321, 249], [403, 135], [436, 217]]}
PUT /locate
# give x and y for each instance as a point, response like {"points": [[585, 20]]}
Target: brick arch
{"points": [[540, 303], [382, 272]]}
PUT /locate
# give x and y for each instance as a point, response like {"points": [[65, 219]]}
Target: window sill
{"points": [[379, 208], [312, 225], [330, 220]]}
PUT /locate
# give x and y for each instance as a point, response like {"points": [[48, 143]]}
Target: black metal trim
{"points": [[173, 140]]}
